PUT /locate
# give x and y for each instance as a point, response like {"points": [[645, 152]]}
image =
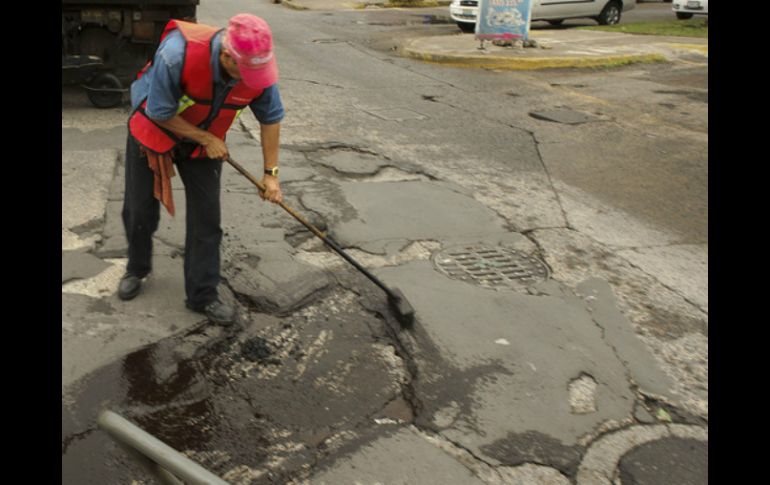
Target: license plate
{"points": [[468, 12], [693, 4]]}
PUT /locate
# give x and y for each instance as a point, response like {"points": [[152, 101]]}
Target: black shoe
{"points": [[129, 287], [217, 312]]}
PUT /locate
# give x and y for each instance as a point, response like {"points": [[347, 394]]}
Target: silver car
{"points": [[606, 12], [685, 9]]}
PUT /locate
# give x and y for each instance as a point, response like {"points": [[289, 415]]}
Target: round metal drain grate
{"points": [[491, 266]]}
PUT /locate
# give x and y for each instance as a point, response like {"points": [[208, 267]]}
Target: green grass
{"points": [[694, 27]]}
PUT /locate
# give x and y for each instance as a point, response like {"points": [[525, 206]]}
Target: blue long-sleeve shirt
{"points": [[161, 84]]}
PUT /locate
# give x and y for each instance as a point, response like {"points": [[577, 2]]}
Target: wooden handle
{"points": [[288, 209], [318, 233]]}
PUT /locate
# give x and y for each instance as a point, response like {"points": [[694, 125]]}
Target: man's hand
{"points": [[272, 189], [215, 148]]}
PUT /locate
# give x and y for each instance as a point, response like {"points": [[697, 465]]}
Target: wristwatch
{"points": [[272, 171]]}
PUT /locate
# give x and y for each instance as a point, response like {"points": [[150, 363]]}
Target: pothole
{"points": [[259, 350], [491, 266], [557, 85], [314, 252], [327, 41], [350, 162], [563, 116], [392, 174], [361, 165], [582, 395]]}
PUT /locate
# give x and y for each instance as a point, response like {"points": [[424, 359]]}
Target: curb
{"points": [[292, 5], [508, 63], [700, 48]]}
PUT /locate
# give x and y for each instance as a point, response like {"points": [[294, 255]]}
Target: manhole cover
{"points": [[491, 266]]}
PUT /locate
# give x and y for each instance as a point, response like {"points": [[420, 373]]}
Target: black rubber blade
{"points": [[401, 307]]}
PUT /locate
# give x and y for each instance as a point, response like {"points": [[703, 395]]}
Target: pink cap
{"points": [[249, 41]]}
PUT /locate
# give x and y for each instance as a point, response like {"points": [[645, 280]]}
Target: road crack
{"points": [[337, 86]]}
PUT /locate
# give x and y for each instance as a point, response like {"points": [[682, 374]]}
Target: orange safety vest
{"points": [[195, 106]]}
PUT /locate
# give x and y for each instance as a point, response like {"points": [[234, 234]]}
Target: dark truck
{"points": [[106, 42]]}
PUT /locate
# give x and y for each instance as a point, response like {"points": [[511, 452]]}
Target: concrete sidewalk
{"points": [[556, 48]]}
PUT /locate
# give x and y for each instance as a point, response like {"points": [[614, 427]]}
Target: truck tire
{"points": [[104, 99]]}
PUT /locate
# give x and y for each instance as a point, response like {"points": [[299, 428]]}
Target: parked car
{"points": [[606, 12], [685, 9]]}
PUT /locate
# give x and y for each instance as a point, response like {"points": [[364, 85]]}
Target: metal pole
{"points": [[166, 457]]}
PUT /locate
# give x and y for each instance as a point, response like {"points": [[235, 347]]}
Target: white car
{"points": [[606, 12], [685, 9]]}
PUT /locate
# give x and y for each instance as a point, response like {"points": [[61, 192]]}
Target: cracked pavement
{"points": [[317, 383]]}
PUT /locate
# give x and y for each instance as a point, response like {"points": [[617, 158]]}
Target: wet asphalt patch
{"points": [[267, 402], [264, 398], [533, 447], [258, 350]]}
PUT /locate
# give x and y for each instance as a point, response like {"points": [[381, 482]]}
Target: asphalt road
{"points": [[482, 95]]}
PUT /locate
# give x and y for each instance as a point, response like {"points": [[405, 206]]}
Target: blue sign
{"points": [[503, 19]]}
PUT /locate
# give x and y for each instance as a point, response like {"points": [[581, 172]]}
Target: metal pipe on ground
{"points": [[398, 303], [168, 459]]}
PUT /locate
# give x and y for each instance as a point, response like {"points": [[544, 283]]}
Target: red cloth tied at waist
{"points": [[162, 166]]}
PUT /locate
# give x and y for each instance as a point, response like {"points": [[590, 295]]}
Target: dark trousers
{"points": [[141, 213]]}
